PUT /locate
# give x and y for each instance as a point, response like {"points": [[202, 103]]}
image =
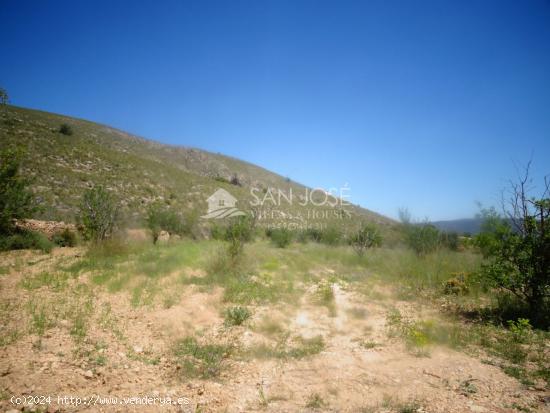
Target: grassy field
{"points": [[285, 307]]}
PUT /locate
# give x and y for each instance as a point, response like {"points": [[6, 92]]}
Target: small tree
{"points": [[98, 214], [237, 233], [493, 227], [520, 250], [365, 238], [160, 218], [281, 237], [422, 238], [16, 200], [450, 240]]}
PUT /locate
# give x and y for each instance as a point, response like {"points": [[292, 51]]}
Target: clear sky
{"points": [[423, 104]]}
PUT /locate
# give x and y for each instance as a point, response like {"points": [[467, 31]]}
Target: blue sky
{"points": [[423, 104]]}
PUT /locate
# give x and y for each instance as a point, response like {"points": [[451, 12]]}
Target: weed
{"points": [[315, 401], [57, 281], [40, 320], [325, 297], [236, 316], [299, 348], [201, 360], [520, 330]]}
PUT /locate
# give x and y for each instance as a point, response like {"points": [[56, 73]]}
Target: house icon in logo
{"points": [[221, 204]]}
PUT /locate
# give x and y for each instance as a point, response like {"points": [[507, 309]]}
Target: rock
{"points": [[138, 349], [164, 236], [89, 374]]}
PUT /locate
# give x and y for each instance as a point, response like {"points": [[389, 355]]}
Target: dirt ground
{"points": [[348, 375]]}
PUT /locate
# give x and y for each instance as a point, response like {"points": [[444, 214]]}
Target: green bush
{"points": [[517, 266], [331, 236], [160, 218], [518, 252], [281, 237], [423, 239], [237, 233], [449, 240], [98, 214], [65, 238], [24, 239], [314, 234], [217, 232], [65, 129], [366, 237], [493, 228], [236, 316], [457, 285], [16, 200]]}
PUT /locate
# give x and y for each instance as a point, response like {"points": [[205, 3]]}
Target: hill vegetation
{"points": [[65, 156]]}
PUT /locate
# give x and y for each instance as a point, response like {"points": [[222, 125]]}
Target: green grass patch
{"points": [[236, 316], [205, 361], [283, 349]]}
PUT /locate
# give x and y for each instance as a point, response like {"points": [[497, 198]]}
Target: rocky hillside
{"points": [[140, 171]]}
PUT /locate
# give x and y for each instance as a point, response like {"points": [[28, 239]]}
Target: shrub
{"points": [[217, 232], [366, 237], [493, 228], [519, 258], [236, 316], [314, 234], [520, 330], [281, 237], [24, 239], [449, 240], [160, 218], [65, 238], [235, 180], [456, 285], [98, 214], [422, 238], [65, 129], [331, 236], [201, 360], [237, 233], [16, 200]]}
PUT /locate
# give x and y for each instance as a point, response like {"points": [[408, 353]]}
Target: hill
{"points": [[140, 171], [465, 225]]}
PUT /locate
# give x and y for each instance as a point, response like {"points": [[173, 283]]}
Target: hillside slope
{"points": [[141, 171]]}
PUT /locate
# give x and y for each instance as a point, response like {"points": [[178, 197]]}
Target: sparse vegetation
{"points": [[200, 360], [161, 218], [237, 233], [236, 316], [65, 238], [16, 199], [99, 213], [315, 401], [518, 252], [365, 238], [65, 129], [281, 237], [437, 267]]}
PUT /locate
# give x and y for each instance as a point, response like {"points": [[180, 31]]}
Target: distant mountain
{"points": [[465, 225]]}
